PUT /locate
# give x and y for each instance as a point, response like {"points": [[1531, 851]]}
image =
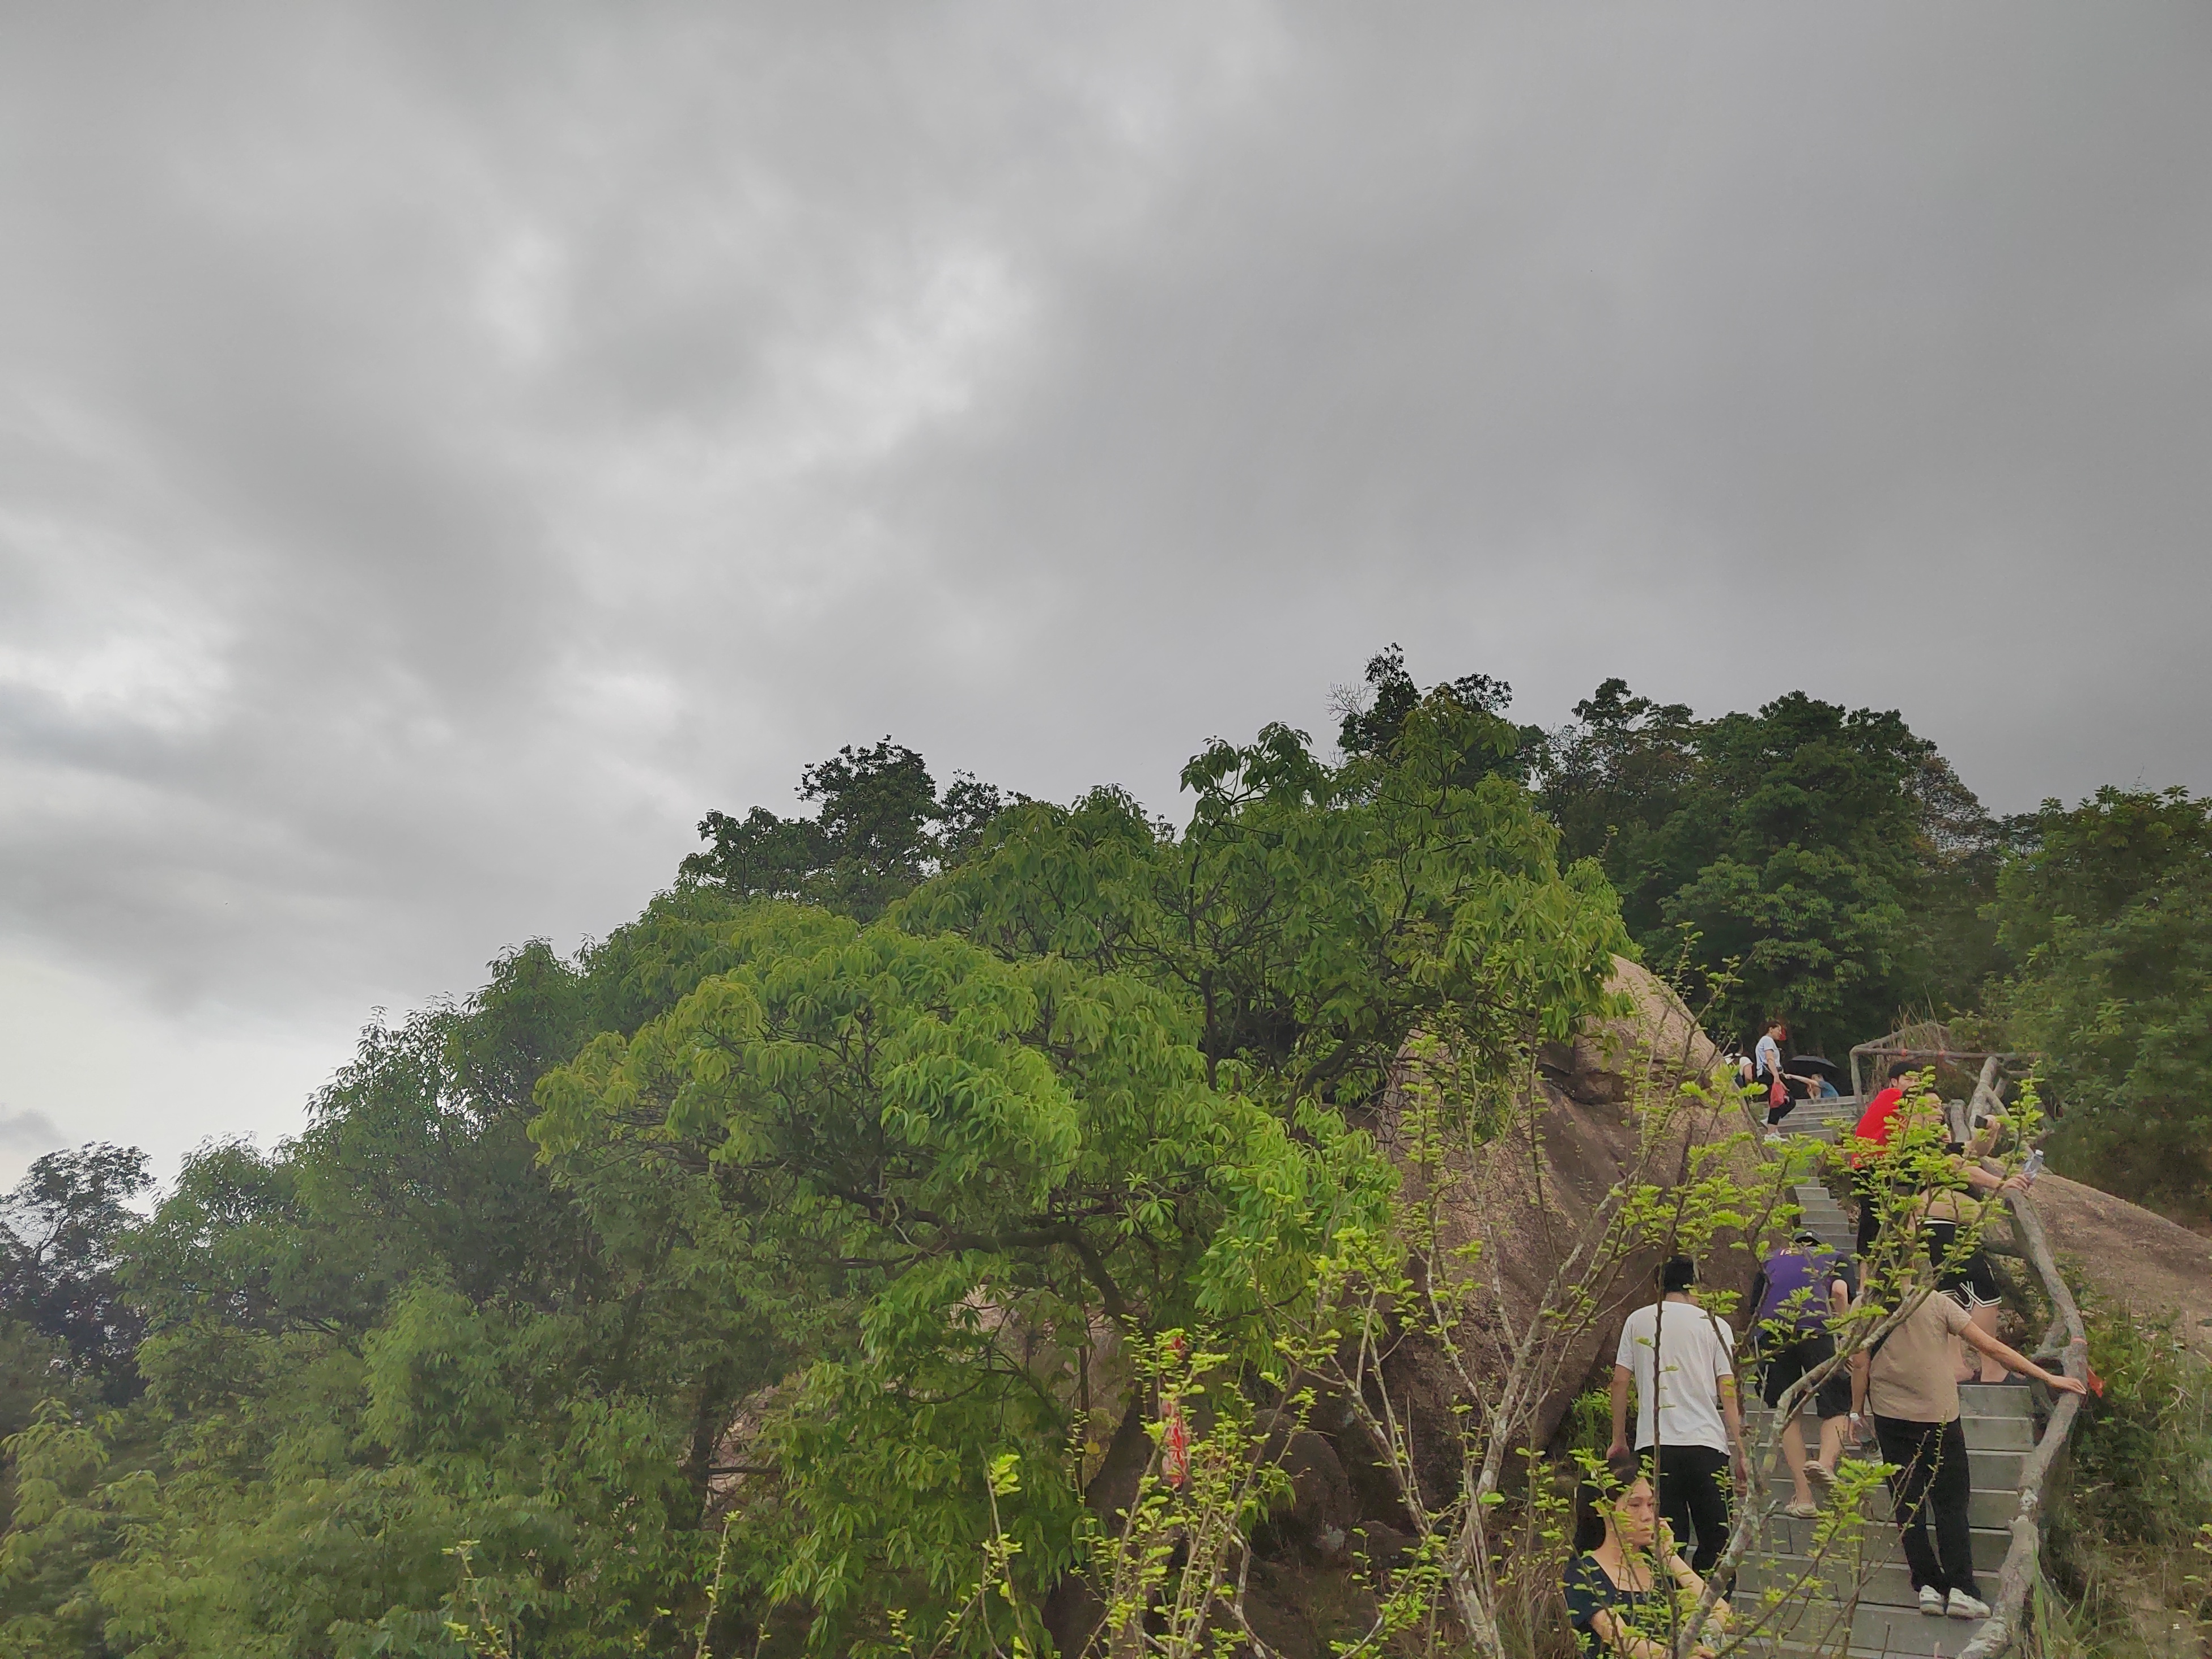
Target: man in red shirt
{"points": [[1874, 1126]]}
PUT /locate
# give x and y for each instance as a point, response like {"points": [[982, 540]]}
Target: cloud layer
{"points": [[443, 452]]}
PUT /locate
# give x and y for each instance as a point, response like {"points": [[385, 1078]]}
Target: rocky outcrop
{"points": [[1532, 1193]]}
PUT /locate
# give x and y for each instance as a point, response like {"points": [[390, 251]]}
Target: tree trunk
{"points": [[1073, 1610]]}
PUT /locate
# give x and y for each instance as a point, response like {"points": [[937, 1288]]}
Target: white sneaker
{"points": [[1931, 1601], [1774, 1135], [1963, 1606]]}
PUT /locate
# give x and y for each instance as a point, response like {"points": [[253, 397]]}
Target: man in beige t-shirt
{"points": [[1909, 1379]]}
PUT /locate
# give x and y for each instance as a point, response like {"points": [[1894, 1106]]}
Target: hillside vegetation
{"points": [[798, 1269]]}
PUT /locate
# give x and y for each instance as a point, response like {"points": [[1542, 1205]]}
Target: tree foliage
{"points": [[880, 828], [1832, 854], [793, 1246], [2110, 916], [830, 1255], [59, 1231]]}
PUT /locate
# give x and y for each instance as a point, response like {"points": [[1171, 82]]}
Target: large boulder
{"points": [[1531, 1193]]}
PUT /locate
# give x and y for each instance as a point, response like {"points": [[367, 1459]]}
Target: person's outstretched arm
{"points": [[1989, 1181], [1621, 1378], [2013, 1360]]}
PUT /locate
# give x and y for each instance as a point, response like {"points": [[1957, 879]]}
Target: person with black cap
{"points": [[1798, 1289], [1679, 1358]]}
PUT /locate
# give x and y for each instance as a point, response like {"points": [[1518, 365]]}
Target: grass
{"points": [[2129, 1566]]}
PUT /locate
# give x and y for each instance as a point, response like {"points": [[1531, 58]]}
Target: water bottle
{"points": [[2033, 1167]]}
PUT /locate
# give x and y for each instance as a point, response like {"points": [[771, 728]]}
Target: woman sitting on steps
{"points": [[1629, 1584]]}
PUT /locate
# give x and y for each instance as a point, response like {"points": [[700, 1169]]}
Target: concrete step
{"points": [[2011, 1432], [1813, 1625], [1880, 1583], [1787, 1536], [1992, 1471], [1986, 1506], [1995, 1400]]}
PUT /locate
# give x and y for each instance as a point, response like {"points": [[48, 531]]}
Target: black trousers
{"points": [[1932, 1474], [1864, 1186], [1792, 1092], [1694, 1496]]}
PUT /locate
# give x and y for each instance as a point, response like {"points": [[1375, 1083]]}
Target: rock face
{"points": [[1529, 1195], [2130, 1257], [1608, 1058]]}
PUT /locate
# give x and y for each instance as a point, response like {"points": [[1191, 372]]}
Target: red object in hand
{"points": [[1776, 1094]]}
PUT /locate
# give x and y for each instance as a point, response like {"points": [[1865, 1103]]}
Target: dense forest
{"points": [[755, 1189]]}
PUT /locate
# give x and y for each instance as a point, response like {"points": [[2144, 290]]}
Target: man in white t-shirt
{"points": [[1679, 1359]]}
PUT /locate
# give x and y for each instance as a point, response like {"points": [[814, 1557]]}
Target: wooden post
{"points": [[2001, 1629]]}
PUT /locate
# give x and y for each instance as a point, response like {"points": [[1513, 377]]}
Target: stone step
{"points": [[2006, 1433], [1811, 1625], [1992, 1471], [1986, 1506], [1883, 1582], [1995, 1400], [1788, 1535]]}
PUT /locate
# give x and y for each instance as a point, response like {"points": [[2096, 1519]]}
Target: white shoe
{"points": [[1774, 1135], [1963, 1606], [1931, 1601]]}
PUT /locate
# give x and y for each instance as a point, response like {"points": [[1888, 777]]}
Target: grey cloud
{"points": [[442, 454], [30, 1132]]}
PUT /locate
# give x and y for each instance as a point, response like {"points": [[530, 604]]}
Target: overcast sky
{"points": [[446, 449]]}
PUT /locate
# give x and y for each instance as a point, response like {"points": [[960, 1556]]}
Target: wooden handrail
{"points": [[2001, 1629]]}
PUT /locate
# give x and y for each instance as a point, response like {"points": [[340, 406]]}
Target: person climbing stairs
{"points": [[1795, 1595]]}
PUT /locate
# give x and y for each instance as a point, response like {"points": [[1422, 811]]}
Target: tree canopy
{"points": [[2109, 915], [59, 1234], [760, 1277], [1832, 854], [781, 1250]]}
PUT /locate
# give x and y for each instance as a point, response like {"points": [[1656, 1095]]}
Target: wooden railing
{"points": [[2017, 1576]]}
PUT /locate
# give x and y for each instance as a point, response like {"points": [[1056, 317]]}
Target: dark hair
{"points": [[1621, 1474], [1679, 1275], [1898, 1068], [1773, 1020]]}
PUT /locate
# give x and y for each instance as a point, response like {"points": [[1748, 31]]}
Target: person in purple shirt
{"points": [[1798, 1289]]}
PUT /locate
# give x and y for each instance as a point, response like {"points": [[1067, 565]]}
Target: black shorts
{"points": [[1967, 1278], [1783, 1362]]}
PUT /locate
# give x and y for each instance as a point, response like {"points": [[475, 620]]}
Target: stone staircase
{"points": [[1819, 1615]]}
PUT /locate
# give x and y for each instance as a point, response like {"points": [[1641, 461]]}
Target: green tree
{"points": [[397, 1337], [1832, 854], [1375, 714], [880, 830], [2110, 915], [1100, 1077], [58, 1234], [763, 1272]]}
